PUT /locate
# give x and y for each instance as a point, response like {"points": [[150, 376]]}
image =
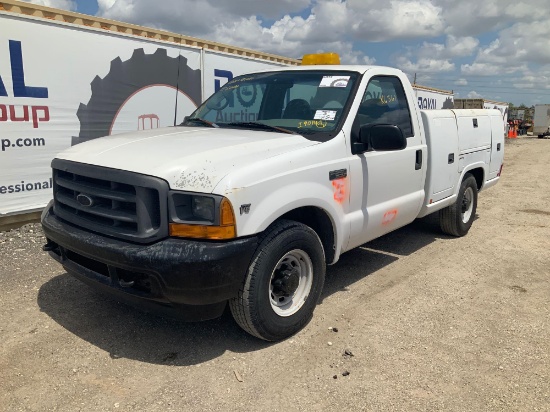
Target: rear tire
{"points": [[283, 284], [457, 218]]}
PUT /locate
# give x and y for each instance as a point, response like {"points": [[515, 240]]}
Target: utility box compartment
{"points": [[442, 139]]}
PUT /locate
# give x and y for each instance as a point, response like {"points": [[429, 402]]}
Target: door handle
{"points": [[451, 158], [498, 147], [418, 164]]}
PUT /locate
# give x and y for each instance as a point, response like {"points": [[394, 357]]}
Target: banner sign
{"points": [[62, 84], [433, 99]]}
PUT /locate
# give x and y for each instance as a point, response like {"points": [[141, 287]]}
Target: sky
{"points": [[493, 49]]}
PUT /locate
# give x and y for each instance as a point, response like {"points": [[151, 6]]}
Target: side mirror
{"points": [[382, 137]]}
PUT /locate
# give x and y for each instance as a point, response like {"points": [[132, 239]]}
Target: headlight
{"points": [[201, 216], [203, 207]]}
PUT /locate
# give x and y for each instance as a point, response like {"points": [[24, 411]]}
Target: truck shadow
{"points": [[370, 257], [124, 332]]}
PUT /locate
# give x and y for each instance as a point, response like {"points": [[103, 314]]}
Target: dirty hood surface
{"points": [[193, 159]]}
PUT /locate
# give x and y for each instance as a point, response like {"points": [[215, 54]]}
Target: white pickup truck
{"points": [[272, 178]]}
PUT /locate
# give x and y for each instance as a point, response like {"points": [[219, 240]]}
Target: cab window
{"points": [[384, 102]]}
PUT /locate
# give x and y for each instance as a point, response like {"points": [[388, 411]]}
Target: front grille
{"points": [[116, 203]]}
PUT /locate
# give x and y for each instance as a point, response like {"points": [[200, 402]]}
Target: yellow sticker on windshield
{"points": [[319, 124]]}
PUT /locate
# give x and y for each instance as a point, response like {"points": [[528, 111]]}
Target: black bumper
{"points": [[195, 277]]}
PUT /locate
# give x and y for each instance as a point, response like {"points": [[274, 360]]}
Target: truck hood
{"points": [[191, 159]]}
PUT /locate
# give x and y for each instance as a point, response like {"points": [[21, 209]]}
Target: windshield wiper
{"points": [[199, 120], [258, 125]]}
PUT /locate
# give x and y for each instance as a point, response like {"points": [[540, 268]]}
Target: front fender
{"points": [[268, 205]]}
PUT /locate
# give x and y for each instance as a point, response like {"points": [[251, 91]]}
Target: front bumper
{"points": [[196, 277]]}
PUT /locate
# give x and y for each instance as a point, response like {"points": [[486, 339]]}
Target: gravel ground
{"points": [[420, 322]]}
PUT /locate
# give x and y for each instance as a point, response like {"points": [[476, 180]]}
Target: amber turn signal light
{"points": [[202, 231]]}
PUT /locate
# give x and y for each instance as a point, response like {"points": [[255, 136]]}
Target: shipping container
{"points": [[541, 121]]}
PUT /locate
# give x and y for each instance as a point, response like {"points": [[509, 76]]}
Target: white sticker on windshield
{"points": [[334, 81], [325, 115]]}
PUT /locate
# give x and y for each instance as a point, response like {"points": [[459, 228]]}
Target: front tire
{"points": [[283, 283], [457, 218]]}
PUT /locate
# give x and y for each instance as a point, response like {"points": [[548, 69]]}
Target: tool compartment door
{"points": [[497, 144], [442, 140]]}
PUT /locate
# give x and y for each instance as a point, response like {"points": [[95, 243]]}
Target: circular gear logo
{"points": [[139, 93]]}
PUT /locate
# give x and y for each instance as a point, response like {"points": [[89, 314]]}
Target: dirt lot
{"points": [[433, 323]]}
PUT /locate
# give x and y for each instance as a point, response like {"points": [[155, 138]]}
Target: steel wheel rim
{"points": [[294, 266], [467, 205]]}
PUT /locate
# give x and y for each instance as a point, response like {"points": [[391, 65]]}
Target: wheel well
{"points": [[478, 175], [320, 222]]}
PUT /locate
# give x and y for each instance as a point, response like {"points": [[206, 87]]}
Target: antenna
{"points": [[177, 86]]}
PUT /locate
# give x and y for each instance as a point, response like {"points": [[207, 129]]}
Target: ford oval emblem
{"points": [[84, 200]]}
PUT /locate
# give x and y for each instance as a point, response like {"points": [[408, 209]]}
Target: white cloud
{"points": [[524, 85], [58, 4], [105, 5], [453, 47], [473, 17], [538, 81], [461, 46], [373, 20], [479, 69], [436, 57], [441, 35], [283, 37], [474, 95], [269, 9], [522, 41], [192, 17], [329, 21], [425, 65], [313, 22]]}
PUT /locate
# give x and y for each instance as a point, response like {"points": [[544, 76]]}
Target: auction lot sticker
{"points": [[325, 115], [334, 81]]}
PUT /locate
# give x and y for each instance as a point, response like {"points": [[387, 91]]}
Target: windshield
{"points": [[310, 103]]}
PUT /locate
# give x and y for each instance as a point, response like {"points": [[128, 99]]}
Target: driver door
{"points": [[387, 186]]}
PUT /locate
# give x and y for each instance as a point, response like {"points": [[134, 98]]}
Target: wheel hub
{"points": [[290, 282], [466, 202], [286, 282]]}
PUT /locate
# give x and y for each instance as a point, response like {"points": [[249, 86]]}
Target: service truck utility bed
{"points": [[481, 141]]}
